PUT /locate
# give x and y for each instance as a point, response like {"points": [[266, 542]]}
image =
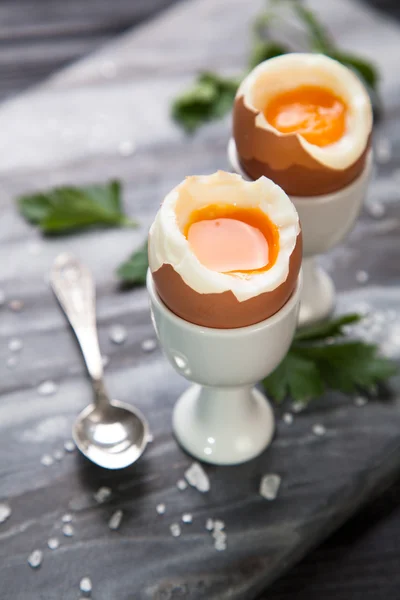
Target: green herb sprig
{"points": [[133, 271], [63, 209], [320, 359], [211, 97]]}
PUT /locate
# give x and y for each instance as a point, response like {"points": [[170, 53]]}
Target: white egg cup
{"points": [[222, 419], [325, 221]]}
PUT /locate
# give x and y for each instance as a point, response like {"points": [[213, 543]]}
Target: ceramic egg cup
{"points": [[325, 221], [222, 419]]}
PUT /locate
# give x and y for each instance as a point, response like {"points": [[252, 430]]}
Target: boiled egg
{"points": [[225, 252], [305, 121]]}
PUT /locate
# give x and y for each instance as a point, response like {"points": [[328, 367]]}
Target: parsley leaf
{"points": [[367, 71], [314, 364], [327, 329], [134, 270], [68, 208], [263, 50], [211, 97], [297, 376], [318, 36]]}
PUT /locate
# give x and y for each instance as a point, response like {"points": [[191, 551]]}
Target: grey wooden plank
{"points": [[361, 449], [38, 37]]}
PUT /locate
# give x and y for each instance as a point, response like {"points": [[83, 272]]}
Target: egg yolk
{"points": [[231, 239], [315, 113]]}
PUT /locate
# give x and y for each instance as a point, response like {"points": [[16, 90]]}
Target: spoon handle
{"points": [[74, 289]]}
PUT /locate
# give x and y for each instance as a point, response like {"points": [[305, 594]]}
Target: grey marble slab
{"points": [[70, 130]]}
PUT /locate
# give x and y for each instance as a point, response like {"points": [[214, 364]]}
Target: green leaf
{"points": [[314, 363], [319, 38], [263, 50], [327, 329], [134, 270], [366, 70], [66, 208], [211, 97], [297, 376], [349, 366]]}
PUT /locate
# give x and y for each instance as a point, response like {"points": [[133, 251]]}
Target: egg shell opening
{"points": [[301, 168], [223, 310], [215, 299]]}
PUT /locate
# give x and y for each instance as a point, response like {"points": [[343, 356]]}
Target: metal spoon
{"points": [[109, 433]]}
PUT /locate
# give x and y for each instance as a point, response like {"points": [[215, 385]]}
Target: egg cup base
{"points": [[318, 295], [223, 426]]}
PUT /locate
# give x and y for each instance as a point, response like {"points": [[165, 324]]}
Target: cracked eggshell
{"points": [[222, 300], [299, 167]]}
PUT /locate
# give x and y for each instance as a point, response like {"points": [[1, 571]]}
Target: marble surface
{"points": [[70, 130]]}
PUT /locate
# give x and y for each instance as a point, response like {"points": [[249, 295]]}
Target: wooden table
{"points": [[71, 130]]}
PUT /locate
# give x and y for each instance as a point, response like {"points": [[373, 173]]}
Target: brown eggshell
{"points": [[283, 159], [223, 310]]}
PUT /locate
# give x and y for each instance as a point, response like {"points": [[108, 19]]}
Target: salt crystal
{"points": [[115, 520], [298, 407], [2, 298], [219, 525], [58, 455], [175, 529], [160, 508], [360, 401], [187, 518], [5, 512], [197, 478], [181, 485], [318, 429], [219, 535], [53, 543], [47, 388], [46, 460], [362, 276], [69, 446], [117, 334], [383, 150], [12, 362], [375, 209], [220, 545], [102, 494], [209, 524], [35, 559], [126, 148], [16, 305], [67, 530], [150, 438], [85, 586], [67, 518], [269, 486], [149, 345], [288, 418], [15, 345]]}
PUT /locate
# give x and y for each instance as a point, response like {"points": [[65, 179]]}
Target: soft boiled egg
{"points": [[305, 121], [225, 252]]}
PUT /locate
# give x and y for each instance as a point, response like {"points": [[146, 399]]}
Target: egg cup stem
{"points": [[222, 419], [223, 426], [318, 296]]}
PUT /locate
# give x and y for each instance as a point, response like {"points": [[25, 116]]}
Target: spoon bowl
{"points": [[114, 440], [109, 433]]}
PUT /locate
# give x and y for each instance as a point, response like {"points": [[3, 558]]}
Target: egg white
{"points": [[168, 244], [290, 71]]}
